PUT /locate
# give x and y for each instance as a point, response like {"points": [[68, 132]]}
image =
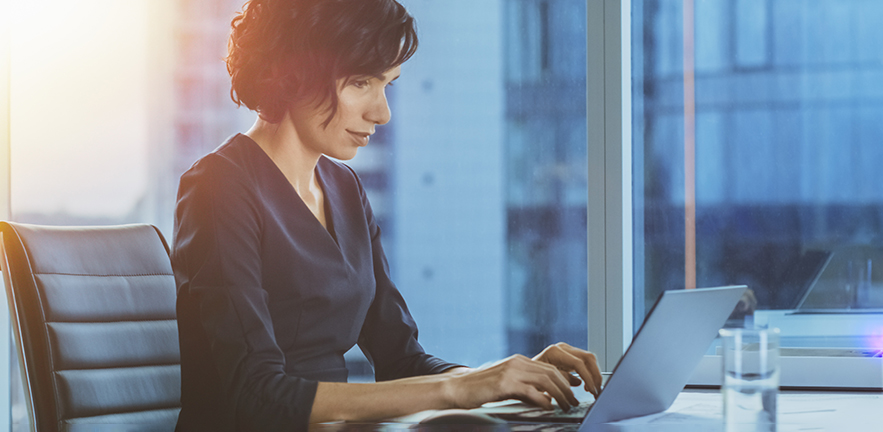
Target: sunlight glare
{"points": [[79, 78]]}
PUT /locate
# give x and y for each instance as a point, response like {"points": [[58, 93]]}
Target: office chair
{"points": [[93, 310]]}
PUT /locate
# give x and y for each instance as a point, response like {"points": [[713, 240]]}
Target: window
{"points": [[755, 137], [479, 182]]}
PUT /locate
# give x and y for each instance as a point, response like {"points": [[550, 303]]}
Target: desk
{"points": [[701, 410]]}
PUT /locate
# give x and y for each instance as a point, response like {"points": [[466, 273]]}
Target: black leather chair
{"points": [[93, 310]]}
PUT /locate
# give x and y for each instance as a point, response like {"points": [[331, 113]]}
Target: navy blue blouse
{"points": [[269, 300]]}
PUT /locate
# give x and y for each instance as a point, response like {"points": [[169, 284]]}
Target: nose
{"points": [[378, 112]]}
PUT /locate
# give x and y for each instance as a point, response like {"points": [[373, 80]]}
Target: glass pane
{"points": [[479, 182], [780, 167], [81, 113], [87, 143], [485, 177]]}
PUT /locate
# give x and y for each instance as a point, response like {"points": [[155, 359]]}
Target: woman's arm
{"points": [[389, 339], [516, 377]]}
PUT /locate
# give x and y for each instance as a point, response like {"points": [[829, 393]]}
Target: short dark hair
{"points": [[283, 51]]}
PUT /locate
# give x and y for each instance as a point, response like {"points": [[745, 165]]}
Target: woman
{"points": [[277, 256]]}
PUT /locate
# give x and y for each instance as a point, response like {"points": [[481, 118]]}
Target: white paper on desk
{"points": [[703, 408], [831, 411], [703, 411]]}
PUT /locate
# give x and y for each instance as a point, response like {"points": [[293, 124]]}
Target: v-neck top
{"points": [[269, 300]]}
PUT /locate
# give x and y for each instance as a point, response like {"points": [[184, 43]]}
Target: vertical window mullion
{"points": [[609, 201]]}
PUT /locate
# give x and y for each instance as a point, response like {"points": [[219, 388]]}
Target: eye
{"points": [[360, 83]]}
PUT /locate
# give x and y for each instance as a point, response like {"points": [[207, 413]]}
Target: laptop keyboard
{"points": [[578, 411], [533, 414], [575, 415]]}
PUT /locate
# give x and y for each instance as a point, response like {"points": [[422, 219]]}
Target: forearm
{"points": [[516, 377], [374, 401]]}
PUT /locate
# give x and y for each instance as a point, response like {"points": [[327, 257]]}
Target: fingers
{"points": [[547, 378], [591, 373], [535, 397], [568, 358], [587, 368], [559, 388], [568, 363], [579, 366], [541, 377], [574, 380], [591, 376]]}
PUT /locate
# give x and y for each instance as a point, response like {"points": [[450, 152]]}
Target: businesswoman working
{"points": [[277, 255]]}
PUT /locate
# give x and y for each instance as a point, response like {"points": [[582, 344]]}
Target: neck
{"points": [[280, 141]]}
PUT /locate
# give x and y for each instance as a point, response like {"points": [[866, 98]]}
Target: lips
{"points": [[361, 137]]}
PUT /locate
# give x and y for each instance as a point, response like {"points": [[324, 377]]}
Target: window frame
{"points": [[6, 342], [610, 219], [610, 245]]}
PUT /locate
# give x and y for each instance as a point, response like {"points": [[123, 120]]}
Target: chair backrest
{"points": [[94, 316]]}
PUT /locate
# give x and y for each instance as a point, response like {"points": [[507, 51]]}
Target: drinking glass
{"points": [[750, 383]]}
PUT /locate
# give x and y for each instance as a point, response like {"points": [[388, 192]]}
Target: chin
{"points": [[344, 156]]}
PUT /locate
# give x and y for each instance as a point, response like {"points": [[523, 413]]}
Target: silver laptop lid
{"points": [[664, 352]]}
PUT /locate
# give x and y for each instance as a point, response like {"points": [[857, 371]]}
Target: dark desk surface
{"points": [[699, 411], [693, 411]]}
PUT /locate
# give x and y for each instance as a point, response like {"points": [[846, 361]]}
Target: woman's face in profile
{"points": [[361, 106]]}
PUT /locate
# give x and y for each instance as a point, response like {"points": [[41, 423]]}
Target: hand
{"points": [[747, 304], [569, 359], [516, 377]]}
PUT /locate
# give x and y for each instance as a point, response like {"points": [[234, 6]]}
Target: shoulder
{"points": [[236, 160], [229, 176]]}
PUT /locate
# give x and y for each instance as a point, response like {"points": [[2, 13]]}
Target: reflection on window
{"points": [[787, 147]]}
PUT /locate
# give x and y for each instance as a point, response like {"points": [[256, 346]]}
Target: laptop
{"points": [[831, 294], [654, 369], [806, 274]]}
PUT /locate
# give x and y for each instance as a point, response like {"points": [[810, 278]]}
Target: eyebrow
{"points": [[382, 77]]}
